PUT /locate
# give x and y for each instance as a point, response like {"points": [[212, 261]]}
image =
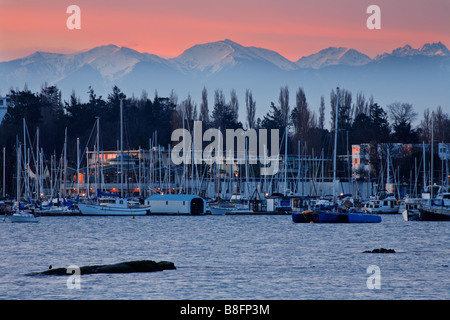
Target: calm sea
{"points": [[228, 257]]}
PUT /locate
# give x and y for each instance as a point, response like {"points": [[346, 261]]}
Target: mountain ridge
{"points": [[428, 49], [334, 56], [402, 75]]}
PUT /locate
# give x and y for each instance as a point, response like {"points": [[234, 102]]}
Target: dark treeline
{"points": [[361, 120]]}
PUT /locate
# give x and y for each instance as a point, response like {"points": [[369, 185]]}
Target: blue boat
{"points": [[333, 216]]}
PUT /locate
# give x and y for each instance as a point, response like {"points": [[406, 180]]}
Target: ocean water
{"points": [[227, 257]]}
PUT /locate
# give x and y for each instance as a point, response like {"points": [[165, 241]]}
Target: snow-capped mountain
{"points": [[110, 61], [215, 56], [227, 65], [428, 49], [334, 56], [435, 49]]}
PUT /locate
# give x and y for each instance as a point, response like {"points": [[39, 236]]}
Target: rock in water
{"points": [[123, 267], [381, 250]]}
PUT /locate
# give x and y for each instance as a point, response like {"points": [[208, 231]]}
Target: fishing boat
{"points": [[409, 208], [383, 204], [334, 214]]}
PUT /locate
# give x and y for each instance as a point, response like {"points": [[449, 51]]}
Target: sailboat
{"points": [[434, 205], [334, 214], [23, 216], [384, 202], [114, 205], [20, 214]]}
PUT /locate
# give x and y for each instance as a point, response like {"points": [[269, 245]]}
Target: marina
{"points": [[224, 159], [235, 225]]}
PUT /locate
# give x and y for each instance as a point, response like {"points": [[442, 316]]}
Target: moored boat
{"points": [[23, 216], [222, 208], [333, 216], [382, 205], [433, 205], [434, 213], [112, 207]]}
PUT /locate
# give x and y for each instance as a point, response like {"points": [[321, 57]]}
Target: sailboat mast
{"points": [[38, 193], [25, 157], [97, 156], [432, 155], [388, 177], [424, 166], [121, 148], [184, 154], [4, 166], [18, 149], [65, 163], [335, 146], [285, 159], [78, 166]]}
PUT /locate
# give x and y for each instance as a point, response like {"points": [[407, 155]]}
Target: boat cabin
{"points": [[388, 204], [186, 204], [278, 203]]}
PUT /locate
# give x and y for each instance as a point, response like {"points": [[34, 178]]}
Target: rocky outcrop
{"points": [[122, 267], [381, 250]]}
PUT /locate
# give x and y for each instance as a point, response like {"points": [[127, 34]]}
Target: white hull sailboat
{"points": [[23, 217], [114, 206], [222, 209], [118, 208]]}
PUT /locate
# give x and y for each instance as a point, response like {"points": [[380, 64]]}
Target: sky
{"points": [[293, 28]]}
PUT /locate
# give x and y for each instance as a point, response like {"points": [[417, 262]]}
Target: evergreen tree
{"points": [[321, 124], [274, 119], [204, 110], [223, 115], [251, 109], [24, 105], [372, 127], [284, 105]]}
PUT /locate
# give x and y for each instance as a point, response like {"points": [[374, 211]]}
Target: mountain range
{"points": [[418, 76]]}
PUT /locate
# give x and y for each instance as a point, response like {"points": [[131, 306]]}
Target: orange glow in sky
{"points": [[293, 28]]}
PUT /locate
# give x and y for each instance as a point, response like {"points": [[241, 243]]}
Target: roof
{"points": [[173, 197]]}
